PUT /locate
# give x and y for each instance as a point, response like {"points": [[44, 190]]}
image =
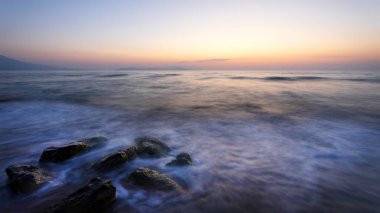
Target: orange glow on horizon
{"points": [[192, 33]]}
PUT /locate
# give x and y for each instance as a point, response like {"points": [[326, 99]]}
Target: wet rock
{"points": [[151, 147], [183, 159], [116, 159], [61, 153], [26, 178], [94, 142], [151, 179], [93, 197]]}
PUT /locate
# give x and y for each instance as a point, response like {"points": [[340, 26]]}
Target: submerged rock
{"points": [[26, 178], [151, 147], [90, 198], [61, 153], [183, 159], [116, 159], [151, 179]]}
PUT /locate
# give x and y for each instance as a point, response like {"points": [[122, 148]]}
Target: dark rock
{"points": [[151, 179], [61, 153], [116, 159], [93, 197], [94, 142], [151, 147], [26, 178], [184, 155], [183, 159]]}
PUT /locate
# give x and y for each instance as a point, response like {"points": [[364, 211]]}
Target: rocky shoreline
{"points": [[99, 193]]}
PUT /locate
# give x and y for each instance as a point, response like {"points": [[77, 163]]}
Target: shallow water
{"points": [[278, 141]]}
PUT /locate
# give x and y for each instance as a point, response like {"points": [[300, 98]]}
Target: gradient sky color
{"points": [[207, 34]]}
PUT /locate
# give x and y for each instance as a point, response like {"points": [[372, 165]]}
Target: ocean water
{"points": [[261, 141]]}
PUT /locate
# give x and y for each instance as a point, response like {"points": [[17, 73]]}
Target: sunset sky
{"points": [[204, 34]]}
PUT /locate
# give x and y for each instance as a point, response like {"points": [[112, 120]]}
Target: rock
{"points": [[183, 159], [116, 159], [26, 178], [94, 142], [91, 198], [151, 179], [61, 153], [151, 147]]}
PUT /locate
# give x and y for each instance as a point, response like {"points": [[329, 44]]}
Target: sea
{"points": [[261, 141]]}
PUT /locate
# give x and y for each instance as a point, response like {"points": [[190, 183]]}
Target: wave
{"points": [[243, 78], [159, 87], [113, 75], [3, 99], [162, 75], [305, 78], [368, 80], [296, 78], [279, 78]]}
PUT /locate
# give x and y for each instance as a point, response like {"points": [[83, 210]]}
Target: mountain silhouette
{"points": [[13, 64]]}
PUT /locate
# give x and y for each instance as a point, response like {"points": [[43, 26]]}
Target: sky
{"points": [[201, 34]]}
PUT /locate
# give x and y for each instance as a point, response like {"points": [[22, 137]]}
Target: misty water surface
{"points": [[278, 141]]}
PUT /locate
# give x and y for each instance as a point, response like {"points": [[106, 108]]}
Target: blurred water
{"points": [[266, 141]]}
